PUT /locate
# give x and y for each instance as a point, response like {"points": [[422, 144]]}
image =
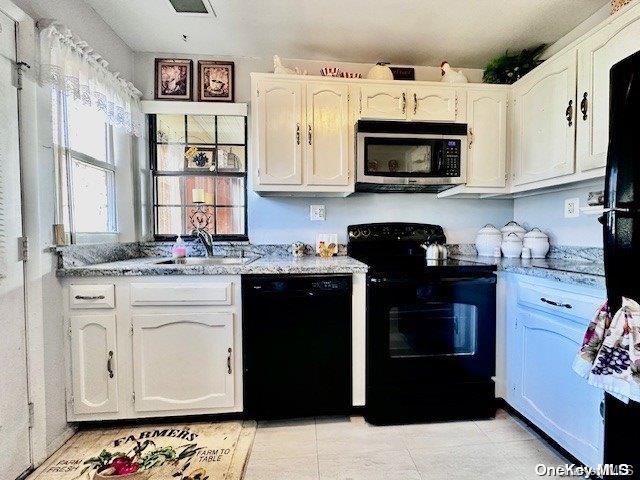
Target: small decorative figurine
{"points": [[449, 75]]}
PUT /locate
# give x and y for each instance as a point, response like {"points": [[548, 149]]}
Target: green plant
{"points": [[508, 68]]}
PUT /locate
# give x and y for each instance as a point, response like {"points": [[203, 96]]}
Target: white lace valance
{"points": [[71, 66]]}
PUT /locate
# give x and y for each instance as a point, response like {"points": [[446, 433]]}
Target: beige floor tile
{"points": [[351, 436], [464, 462], [527, 454], [448, 434], [275, 440], [389, 465], [506, 429], [295, 468]]}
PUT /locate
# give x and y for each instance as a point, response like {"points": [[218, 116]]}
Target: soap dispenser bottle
{"points": [[179, 250]]}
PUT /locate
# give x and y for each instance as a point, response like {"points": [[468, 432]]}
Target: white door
{"points": [[183, 361], [15, 457], [386, 102], [550, 394], [596, 56], [327, 136], [545, 114], [94, 363], [280, 124], [487, 123], [435, 104]]}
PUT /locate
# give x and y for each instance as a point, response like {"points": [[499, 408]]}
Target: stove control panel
{"points": [[393, 232]]}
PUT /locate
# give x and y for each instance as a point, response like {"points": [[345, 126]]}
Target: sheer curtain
{"points": [[70, 66]]}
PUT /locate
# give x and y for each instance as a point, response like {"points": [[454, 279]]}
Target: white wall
{"points": [[286, 219], [85, 23], [547, 212]]}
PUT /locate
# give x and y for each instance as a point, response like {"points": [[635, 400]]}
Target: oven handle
{"points": [[489, 278]]}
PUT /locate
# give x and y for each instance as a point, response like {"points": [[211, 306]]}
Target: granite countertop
{"points": [[148, 266], [572, 270]]}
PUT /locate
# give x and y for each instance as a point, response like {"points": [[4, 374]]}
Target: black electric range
{"points": [[430, 327]]}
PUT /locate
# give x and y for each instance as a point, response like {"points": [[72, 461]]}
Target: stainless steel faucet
{"points": [[206, 239]]}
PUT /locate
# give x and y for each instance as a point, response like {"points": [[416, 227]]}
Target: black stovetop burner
{"points": [[398, 247]]}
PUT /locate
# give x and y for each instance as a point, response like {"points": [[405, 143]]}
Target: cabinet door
{"points": [[596, 56], [544, 115], [183, 361], [550, 393], [386, 102], [93, 363], [438, 104], [279, 124], [327, 136], [487, 121]]}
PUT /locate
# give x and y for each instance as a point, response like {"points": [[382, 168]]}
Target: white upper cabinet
{"points": [[94, 369], [327, 157], [280, 119], [183, 361], [435, 104], [596, 55], [544, 121], [383, 101], [487, 137]]}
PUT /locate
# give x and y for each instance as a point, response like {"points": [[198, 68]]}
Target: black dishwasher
{"points": [[296, 334]]}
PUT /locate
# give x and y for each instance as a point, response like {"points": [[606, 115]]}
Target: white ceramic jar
{"points": [[487, 239], [513, 227], [538, 242], [512, 245]]}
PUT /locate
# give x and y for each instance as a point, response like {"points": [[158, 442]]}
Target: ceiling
{"points": [[406, 32]]}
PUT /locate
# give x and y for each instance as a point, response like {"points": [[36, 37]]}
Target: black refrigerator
{"points": [[621, 222]]}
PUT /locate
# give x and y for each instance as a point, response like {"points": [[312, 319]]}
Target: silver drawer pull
{"points": [[555, 304], [90, 297], [109, 366]]}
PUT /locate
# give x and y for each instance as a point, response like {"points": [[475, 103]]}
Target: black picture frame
{"points": [[160, 92]]}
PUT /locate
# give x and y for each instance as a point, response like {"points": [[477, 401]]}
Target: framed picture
{"points": [[198, 159], [174, 79], [215, 81], [403, 73]]}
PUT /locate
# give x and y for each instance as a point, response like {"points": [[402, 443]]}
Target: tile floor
{"points": [[349, 449]]}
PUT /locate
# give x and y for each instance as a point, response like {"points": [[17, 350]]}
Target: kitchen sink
{"points": [[208, 261]]}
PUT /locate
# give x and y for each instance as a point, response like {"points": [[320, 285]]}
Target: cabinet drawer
{"points": [[219, 293], [559, 302], [91, 296]]}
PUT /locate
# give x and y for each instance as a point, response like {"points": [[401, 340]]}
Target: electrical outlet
{"points": [[572, 208], [317, 213]]}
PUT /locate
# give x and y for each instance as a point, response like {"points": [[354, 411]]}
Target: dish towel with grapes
{"points": [[610, 354]]}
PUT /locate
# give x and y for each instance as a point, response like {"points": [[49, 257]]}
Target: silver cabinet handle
{"points": [[584, 106], [229, 360], [109, 366], [298, 133], [569, 113], [90, 297], [404, 102], [415, 103], [470, 137], [309, 135], [555, 304]]}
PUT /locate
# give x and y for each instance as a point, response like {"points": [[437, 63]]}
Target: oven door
{"points": [[431, 328], [416, 159]]}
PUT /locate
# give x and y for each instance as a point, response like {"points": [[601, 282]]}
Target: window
{"points": [[88, 170], [199, 175]]}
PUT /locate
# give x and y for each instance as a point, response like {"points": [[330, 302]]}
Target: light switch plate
{"points": [[317, 213], [572, 208]]}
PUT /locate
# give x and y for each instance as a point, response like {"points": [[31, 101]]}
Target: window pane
{"points": [[201, 129], [230, 129], [231, 158], [170, 158], [185, 190], [87, 130], [201, 218], [230, 220], [170, 128], [169, 221], [230, 191], [92, 200]]}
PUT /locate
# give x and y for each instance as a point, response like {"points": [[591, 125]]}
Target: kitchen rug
{"points": [[196, 451]]}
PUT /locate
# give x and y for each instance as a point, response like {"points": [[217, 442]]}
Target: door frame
{"points": [[30, 159]]}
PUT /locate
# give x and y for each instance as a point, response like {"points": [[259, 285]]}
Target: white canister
{"points": [[513, 227], [487, 239], [512, 246], [538, 242]]}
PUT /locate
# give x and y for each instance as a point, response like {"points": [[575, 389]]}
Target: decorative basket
{"points": [[618, 4], [330, 72], [351, 75]]}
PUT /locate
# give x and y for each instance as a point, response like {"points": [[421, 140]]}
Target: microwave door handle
{"points": [[439, 159]]}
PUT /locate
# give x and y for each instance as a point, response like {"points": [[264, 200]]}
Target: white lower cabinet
{"points": [[541, 384], [182, 361], [93, 356], [167, 347]]}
